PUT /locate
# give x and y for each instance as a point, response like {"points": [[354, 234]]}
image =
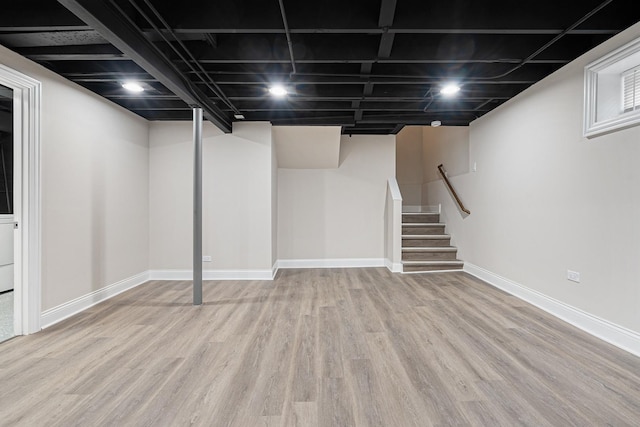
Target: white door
{"points": [[6, 253], [7, 180]]}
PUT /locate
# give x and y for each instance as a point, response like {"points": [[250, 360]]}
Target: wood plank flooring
{"points": [[334, 347]]}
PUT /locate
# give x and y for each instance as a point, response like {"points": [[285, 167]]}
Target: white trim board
{"points": [[619, 336], [394, 267], [56, 314], [269, 274], [331, 263], [212, 274]]}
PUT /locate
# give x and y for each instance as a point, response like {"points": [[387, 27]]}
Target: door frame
{"points": [[26, 199]]}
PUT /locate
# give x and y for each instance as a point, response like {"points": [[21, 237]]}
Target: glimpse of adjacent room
{"points": [[6, 214]]}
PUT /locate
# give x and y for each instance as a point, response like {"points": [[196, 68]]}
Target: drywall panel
{"points": [[337, 213], [447, 146], [307, 147], [237, 196], [94, 184], [545, 200], [409, 164]]}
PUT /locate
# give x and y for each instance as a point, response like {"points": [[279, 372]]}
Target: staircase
{"points": [[425, 246]]}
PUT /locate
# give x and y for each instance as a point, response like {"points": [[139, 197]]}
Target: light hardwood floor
{"points": [[335, 347]]}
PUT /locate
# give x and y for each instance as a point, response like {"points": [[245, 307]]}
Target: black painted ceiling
{"points": [[371, 66]]}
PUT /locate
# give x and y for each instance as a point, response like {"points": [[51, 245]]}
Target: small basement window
{"points": [[631, 90], [612, 91]]}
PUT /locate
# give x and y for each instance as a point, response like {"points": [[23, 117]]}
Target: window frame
{"points": [[627, 57]]}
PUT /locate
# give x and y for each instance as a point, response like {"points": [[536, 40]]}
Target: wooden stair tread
{"points": [[426, 236], [435, 262], [426, 247], [429, 249], [420, 213]]}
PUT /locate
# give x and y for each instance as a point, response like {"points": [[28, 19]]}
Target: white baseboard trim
{"points": [[56, 314], [619, 336], [394, 267], [331, 263], [212, 274]]}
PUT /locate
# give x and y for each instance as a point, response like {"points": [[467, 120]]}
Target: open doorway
{"points": [[23, 203], [7, 327]]}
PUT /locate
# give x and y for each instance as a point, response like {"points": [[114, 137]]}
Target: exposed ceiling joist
{"points": [[380, 30], [385, 20], [129, 40], [387, 13], [363, 65]]}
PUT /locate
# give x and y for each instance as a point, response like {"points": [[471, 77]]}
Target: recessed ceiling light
{"points": [[133, 86], [277, 91], [450, 89], [436, 123]]}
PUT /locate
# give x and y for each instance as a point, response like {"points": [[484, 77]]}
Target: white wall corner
{"points": [[56, 314], [617, 335], [253, 131]]}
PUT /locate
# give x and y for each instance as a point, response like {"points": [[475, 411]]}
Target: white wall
{"points": [[307, 147], [393, 227], [94, 188], [237, 197], [545, 199], [409, 164], [444, 145], [419, 151], [337, 213]]}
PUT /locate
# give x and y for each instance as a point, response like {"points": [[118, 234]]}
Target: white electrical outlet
{"points": [[206, 258], [574, 276]]}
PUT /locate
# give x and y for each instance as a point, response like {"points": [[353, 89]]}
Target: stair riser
{"points": [[407, 268], [428, 256], [427, 229], [421, 218], [425, 243]]}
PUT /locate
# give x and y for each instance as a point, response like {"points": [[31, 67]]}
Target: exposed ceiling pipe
{"points": [[288, 34], [420, 79], [118, 29], [211, 84], [431, 99], [552, 41], [470, 79], [483, 104]]}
